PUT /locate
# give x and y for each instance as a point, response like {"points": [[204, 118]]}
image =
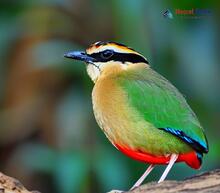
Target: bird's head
{"points": [[101, 55]]}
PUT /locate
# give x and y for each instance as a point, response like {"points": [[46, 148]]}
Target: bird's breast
{"points": [[109, 108], [115, 116], [119, 121]]}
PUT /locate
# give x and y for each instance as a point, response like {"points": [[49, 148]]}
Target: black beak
{"points": [[82, 56]]}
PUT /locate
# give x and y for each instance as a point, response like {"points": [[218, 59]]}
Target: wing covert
{"points": [[161, 104]]}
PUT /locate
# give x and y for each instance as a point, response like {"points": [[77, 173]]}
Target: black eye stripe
{"points": [[121, 57]]}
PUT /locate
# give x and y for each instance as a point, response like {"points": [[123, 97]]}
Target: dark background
{"points": [[49, 139]]}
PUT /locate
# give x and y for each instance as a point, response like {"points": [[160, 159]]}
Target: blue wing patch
{"points": [[199, 147]]}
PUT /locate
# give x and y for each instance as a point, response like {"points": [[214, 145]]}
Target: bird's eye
{"points": [[107, 54]]}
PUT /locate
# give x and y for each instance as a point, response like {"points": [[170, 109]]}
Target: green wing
{"points": [[161, 104]]}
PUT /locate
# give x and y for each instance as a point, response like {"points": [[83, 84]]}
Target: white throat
{"points": [[93, 71]]}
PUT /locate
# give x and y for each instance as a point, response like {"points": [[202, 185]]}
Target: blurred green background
{"points": [[49, 139]]}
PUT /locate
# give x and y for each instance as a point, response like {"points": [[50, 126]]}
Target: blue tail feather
{"points": [[200, 147]]}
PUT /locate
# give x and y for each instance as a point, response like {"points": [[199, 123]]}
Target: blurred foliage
{"points": [[49, 138]]}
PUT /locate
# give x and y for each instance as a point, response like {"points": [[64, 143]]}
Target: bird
{"points": [[141, 113]]}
